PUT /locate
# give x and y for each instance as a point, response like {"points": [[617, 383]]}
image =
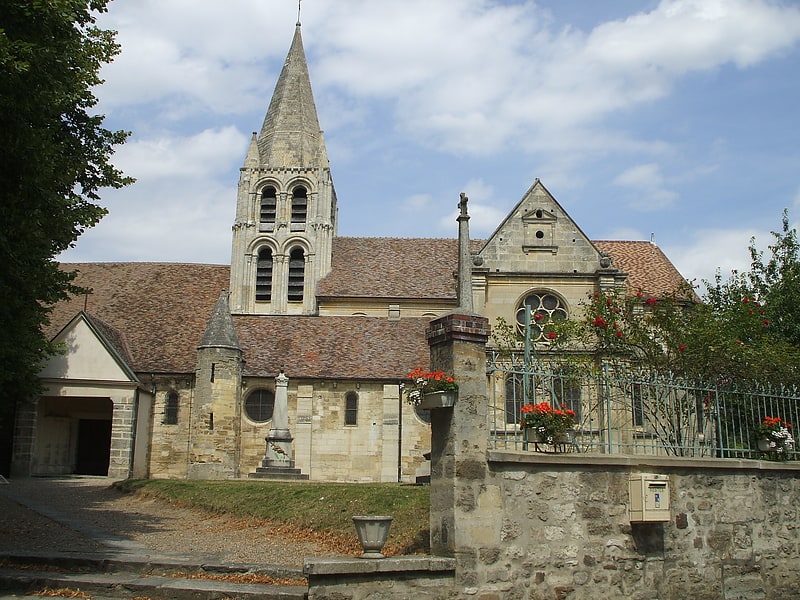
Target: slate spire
{"points": [[290, 135]]}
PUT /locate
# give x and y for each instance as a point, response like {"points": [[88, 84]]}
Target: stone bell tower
{"points": [[286, 209]]}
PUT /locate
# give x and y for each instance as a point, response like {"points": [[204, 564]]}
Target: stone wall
{"points": [[561, 530], [324, 447], [419, 577]]}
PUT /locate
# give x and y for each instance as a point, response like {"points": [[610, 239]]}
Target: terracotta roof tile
{"points": [[160, 311], [392, 268], [648, 268], [319, 347], [160, 308], [113, 336]]}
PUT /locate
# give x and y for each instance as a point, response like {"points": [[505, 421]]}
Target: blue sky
{"points": [[676, 119]]}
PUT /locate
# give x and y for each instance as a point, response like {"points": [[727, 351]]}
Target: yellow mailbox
{"points": [[649, 498]]}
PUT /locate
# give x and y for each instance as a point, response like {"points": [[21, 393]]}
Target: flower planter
{"points": [[443, 399], [765, 445], [372, 532], [560, 443], [532, 436]]}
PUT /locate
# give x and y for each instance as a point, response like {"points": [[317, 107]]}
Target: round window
{"points": [[259, 405], [545, 308]]}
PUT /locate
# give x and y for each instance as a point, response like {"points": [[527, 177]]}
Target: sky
{"points": [[675, 121]]}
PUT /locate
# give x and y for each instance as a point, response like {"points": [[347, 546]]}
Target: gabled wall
{"points": [[538, 247]]}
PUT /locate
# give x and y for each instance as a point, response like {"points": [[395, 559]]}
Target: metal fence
{"points": [[623, 410]]}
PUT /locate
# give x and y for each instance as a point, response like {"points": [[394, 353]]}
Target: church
{"points": [[294, 354]]}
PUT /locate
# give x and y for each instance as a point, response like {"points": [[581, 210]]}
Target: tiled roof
{"points": [[113, 336], [648, 268], [354, 347], [392, 268], [161, 309], [158, 312]]}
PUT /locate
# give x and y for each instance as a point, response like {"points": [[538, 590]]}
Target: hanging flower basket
{"points": [[422, 385], [773, 437], [441, 399]]}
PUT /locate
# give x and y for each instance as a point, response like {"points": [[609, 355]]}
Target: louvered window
{"points": [[269, 204], [297, 266], [264, 276], [299, 208]]}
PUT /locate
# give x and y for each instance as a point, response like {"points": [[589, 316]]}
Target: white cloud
{"points": [[707, 250], [209, 152], [403, 86], [647, 182]]}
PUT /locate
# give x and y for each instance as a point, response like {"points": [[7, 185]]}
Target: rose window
{"points": [[545, 309]]}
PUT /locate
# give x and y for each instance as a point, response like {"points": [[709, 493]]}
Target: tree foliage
{"points": [[54, 160]]}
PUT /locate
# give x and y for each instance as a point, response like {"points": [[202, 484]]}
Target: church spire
{"points": [[290, 135]]}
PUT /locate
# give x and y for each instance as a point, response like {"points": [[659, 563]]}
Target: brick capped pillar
{"points": [[459, 436]]}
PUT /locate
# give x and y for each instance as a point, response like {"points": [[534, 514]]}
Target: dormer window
{"points": [[264, 275], [269, 203], [299, 208]]}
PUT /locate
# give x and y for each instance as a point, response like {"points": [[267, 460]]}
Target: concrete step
{"points": [[120, 578]]}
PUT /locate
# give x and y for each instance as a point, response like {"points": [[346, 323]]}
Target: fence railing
{"points": [[622, 410]]}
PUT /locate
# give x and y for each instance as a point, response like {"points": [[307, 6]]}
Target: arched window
{"points": [[299, 208], [546, 308], [269, 203], [297, 267], [514, 399], [264, 275], [259, 405], [567, 392], [351, 408], [171, 409]]}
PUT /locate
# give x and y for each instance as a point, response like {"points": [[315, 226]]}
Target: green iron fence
{"points": [[624, 410]]}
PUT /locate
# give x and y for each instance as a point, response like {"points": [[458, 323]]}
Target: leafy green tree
{"points": [[54, 160]]}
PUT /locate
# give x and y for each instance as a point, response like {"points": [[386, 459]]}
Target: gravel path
{"points": [[80, 515]]}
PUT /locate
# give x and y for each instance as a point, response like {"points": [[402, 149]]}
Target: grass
{"points": [[323, 509]]}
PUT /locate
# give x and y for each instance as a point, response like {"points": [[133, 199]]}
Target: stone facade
{"points": [[324, 447]]}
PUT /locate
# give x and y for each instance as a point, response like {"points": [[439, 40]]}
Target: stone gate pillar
{"points": [[459, 439]]}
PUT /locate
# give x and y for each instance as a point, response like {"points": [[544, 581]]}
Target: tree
{"points": [[54, 160]]}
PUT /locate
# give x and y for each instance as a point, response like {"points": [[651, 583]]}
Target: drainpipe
{"points": [[399, 433]]}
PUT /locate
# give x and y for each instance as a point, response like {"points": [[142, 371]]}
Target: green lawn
{"points": [[323, 509]]}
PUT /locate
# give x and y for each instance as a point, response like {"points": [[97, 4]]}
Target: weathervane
{"points": [[298, 11]]}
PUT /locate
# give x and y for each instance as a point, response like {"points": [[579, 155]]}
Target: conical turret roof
{"points": [[220, 332], [290, 135]]}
